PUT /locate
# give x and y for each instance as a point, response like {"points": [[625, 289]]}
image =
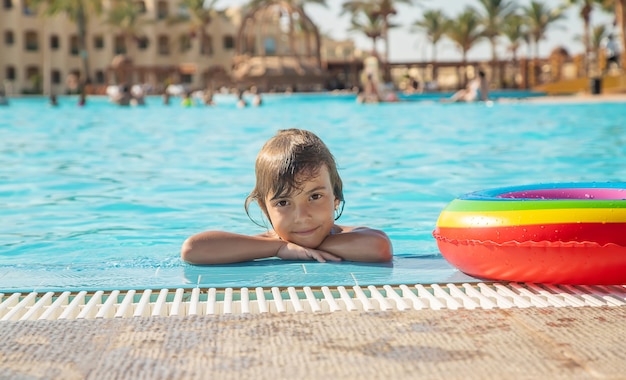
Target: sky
{"points": [[409, 45]]}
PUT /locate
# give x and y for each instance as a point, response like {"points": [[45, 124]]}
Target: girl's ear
{"points": [[337, 202]]}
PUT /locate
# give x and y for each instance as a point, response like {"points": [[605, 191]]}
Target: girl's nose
{"points": [[302, 211]]}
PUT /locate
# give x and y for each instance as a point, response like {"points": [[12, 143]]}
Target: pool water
{"points": [[101, 197]]}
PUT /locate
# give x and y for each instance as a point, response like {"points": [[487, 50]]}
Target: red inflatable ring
{"points": [[569, 233]]}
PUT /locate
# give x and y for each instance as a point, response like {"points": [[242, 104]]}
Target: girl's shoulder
{"points": [[337, 229]]}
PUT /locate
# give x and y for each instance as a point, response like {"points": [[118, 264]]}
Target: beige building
{"points": [[39, 53]]}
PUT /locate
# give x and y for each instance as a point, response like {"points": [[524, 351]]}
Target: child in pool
{"points": [[300, 192]]}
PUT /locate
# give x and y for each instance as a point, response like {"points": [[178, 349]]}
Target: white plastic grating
{"points": [[212, 301]]}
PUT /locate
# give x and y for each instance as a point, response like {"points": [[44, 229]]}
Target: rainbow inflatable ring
{"points": [[565, 233]]}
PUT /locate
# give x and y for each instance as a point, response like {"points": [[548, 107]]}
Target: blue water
{"points": [[102, 197]]}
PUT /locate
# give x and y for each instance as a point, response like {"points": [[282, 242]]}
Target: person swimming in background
{"points": [[3, 99], [207, 97], [187, 100], [138, 96], [300, 192], [370, 92], [257, 101], [82, 97], [53, 100], [241, 102], [477, 89], [123, 96]]}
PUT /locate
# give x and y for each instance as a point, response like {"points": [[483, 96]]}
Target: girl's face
{"points": [[307, 216]]}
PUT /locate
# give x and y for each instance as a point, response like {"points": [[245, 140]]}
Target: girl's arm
{"points": [[219, 247], [359, 244]]}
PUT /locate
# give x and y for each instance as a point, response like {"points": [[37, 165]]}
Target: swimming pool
{"points": [[101, 197]]}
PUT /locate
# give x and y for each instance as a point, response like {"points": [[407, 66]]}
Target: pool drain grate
{"points": [[213, 301]]}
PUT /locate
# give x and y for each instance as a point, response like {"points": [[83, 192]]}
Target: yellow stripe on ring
{"points": [[454, 219]]}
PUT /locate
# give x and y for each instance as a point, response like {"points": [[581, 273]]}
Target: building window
{"points": [[26, 10], [164, 45], [186, 78], [270, 46], [183, 12], [229, 42], [8, 4], [55, 43], [55, 77], [74, 45], [143, 42], [206, 48], [162, 11], [9, 38], [120, 45], [33, 76], [30, 41], [99, 77], [184, 42], [10, 73], [98, 42]]}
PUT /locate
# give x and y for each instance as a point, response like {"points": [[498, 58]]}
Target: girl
{"points": [[300, 192]]}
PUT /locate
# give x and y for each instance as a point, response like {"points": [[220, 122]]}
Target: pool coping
{"points": [[560, 343]]}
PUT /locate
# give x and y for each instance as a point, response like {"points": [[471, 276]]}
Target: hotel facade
{"points": [[38, 53]]}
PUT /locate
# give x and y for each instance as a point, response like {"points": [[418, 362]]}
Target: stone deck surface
{"points": [[534, 343]]}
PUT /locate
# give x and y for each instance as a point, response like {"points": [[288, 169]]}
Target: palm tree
{"points": [[539, 18], [513, 29], [465, 31], [434, 23], [200, 14], [124, 15], [378, 8], [370, 24], [586, 8], [495, 14], [619, 9], [298, 20], [599, 34], [620, 16], [76, 11], [296, 24]]}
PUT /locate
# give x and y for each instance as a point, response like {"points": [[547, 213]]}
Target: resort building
{"points": [[162, 45], [159, 42]]}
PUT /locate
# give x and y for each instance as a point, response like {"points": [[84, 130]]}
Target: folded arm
{"points": [[353, 244], [219, 247], [359, 244]]}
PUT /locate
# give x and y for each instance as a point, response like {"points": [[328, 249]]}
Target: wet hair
{"points": [[287, 161]]}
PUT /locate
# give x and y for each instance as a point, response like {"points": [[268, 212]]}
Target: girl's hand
{"points": [[292, 251]]}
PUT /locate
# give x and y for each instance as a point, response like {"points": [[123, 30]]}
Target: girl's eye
{"points": [[316, 196], [282, 203]]}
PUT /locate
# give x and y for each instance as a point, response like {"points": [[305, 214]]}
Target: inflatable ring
{"points": [[569, 233]]}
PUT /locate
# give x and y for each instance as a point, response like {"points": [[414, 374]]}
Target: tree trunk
{"points": [[586, 16], [494, 60], [386, 71], [620, 13], [516, 69], [464, 69], [434, 63], [81, 23]]}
